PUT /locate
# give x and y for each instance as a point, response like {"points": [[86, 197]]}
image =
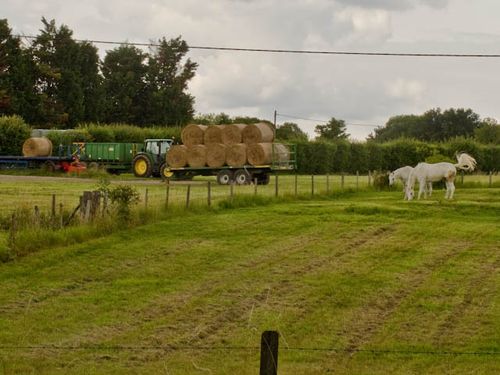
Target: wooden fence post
{"points": [[312, 185], [369, 178], [209, 194], [276, 185], [269, 353], [342, 180], [327, 183], [296, 185], [231, 190], [37, 215], [146, 197], [357, 180], [255, 183], [61, 215], [489, 179], [188, 195]]}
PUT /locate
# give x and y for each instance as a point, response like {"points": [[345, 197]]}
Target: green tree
{"points": [[124, 85], [167, 78], [290, 131], [333, 130], [488, 132], [17, 77]]}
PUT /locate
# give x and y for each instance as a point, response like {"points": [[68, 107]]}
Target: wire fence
{"points": [[202, 192]]}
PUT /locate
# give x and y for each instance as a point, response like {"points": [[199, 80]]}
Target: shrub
{"points": [[13, 132]]}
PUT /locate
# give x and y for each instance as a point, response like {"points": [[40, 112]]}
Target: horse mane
{"points": [[465, 162]]}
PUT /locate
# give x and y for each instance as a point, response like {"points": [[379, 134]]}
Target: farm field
{"points": [[356, 283]]}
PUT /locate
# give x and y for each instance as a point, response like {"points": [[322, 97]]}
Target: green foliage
{"points": [[432, 126], [333, 130], [67, 137], [381, 180], [291, 132], [488, 132], [122, 196], [13, 132]]}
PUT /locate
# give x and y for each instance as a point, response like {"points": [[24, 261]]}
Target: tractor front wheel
{"points": [[142, 166]]}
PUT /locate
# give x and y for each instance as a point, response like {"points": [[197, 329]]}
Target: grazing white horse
{"points": [[403, 174], [425, 172]]}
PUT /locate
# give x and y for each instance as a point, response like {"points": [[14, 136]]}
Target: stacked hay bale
{"points": [[37, 146], [235, 145]]}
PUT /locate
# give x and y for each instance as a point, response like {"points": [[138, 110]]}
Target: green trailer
{"points": [[114, 157]]}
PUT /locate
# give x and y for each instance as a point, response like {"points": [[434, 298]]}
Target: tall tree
{"points": [[333, 130], [17, 77], [168, 75], [290, 131], [124, 85], [488, 132]]}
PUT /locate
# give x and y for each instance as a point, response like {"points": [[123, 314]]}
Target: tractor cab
{"points": [[148, 162]]}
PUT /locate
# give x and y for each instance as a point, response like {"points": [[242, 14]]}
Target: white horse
{"points": [[425, 172], [403, 174]]}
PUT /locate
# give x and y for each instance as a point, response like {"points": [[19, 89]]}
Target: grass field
{"points": [[357, 283]]}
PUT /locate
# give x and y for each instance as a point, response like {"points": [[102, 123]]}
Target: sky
{"points": [[364, 91]]}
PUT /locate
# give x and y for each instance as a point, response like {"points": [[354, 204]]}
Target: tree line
{"points": [[58, 82]]}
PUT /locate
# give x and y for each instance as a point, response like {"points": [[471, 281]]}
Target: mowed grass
{"points": [[360, 283]]}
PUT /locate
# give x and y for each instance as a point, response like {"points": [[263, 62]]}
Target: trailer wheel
{"points": [[49, 166], [142, 166], [165, 173], [224, 177], [242, 177], [94, 166]]}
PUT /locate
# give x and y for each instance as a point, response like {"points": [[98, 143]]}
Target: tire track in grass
{"points": [[486, 272], [372, 316]]}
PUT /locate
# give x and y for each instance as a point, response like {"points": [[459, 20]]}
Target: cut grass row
{"points": [[355, 272]]}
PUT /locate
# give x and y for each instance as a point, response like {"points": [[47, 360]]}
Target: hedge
{"points": [[13, 132]]}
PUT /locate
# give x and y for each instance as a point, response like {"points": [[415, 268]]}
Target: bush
{"points": [[381, 180], [13, 132], [67, 137]]}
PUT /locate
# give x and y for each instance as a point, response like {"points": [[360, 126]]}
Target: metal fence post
{"points": [[188, 195], [209, 194], [167, 194], [269, 353]]}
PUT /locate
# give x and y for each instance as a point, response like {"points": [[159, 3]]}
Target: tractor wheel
{"points": [[242, 177], [142, 166], [224, 177], [49, 166]]}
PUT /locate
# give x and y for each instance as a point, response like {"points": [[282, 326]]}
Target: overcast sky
{"points": [[357, 89]]}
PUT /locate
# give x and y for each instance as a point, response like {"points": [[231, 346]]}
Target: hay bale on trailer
{"points": [[262, 153], [232, 133], [213, 134], [37, 146], [197, 156], [177, 156], [260, 132], [236, 155], [216, 155], [193, 134]]}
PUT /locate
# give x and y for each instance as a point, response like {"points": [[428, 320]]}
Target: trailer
{"points": [[240, 175], [114, 157], [65, 160]]}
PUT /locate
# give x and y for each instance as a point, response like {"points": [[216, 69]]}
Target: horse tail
{"points": [[465, 162]]}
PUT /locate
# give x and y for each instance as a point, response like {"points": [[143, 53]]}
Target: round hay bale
{"points": [[262, 153], [260, 132], [193, 134], [197, 156], [231, 134], [37, 146], [216, 155], [236, 155], [177, 156], [213, 134]]}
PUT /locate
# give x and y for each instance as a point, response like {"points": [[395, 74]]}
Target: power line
{"points": [[293, 51], [325, 121]]}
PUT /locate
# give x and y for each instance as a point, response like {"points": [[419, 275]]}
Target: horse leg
{"points": [[452, 188], [421, 187]]}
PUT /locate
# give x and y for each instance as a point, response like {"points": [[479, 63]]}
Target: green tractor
{"points": [[151, 161]]}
